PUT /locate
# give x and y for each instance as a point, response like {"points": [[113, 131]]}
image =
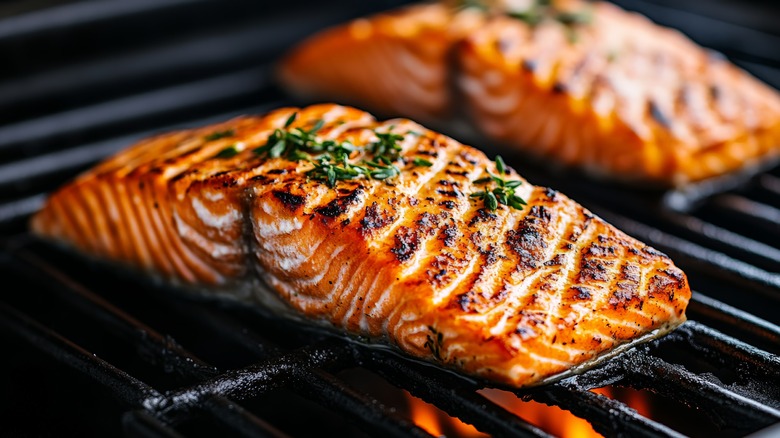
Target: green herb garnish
{"points": [[228, 152], [332, 159], [503, 192], [422, 162], [534, 14], [219, 134]]}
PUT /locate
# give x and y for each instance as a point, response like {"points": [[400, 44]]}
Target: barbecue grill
{"points": [[94, 351]]}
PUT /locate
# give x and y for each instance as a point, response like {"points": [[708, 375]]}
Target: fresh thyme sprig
{"points": [[229, 152], [216, 135], [503, 193], [535, 13], [331, 159]]}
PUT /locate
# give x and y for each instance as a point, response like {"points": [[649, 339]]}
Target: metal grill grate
{"points": [[159, 364]]}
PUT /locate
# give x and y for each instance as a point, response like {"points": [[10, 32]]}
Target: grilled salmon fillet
{"points": [[396, 63], [417, 260], [585, 84], [619, 96]]}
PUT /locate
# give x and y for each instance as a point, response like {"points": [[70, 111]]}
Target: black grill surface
{"points": [[97, 351]]}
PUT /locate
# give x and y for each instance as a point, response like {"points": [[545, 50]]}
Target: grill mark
{"points": [[404, 242], [374, 219], [658, 115], [292, 202], [340, 204], [528, 240]]}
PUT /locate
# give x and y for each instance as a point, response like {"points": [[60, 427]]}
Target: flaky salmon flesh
{"points": [[585, 84], [420, 259]]}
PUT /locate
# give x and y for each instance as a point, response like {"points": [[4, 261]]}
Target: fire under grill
{"points": [[96, 351]]}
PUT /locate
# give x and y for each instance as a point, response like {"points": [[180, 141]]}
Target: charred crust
{"points": [[455, 193], [653, 252], [262, 179], [407, 242], [456, 173], [449, 235], [289, 200], [658, 115], [527, 241], [550, 193], [443, 265], [277, 171], [483, 215], [339, 206], [448, 204], [490, 254], [630, 273], [444, 182], [592, 270], [375, 218], [467, 302], [600, 251], [529, 65], [559, 88], [555, 261], [581, 293]]}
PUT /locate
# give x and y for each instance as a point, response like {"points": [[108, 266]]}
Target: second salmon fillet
{"points": [[380, 229]]}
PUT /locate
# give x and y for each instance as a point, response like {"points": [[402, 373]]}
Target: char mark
{"points": [[289, 200], [407, 242], [375, 218], [528, 240], [659, 115], [339, 206], [483, 215]]}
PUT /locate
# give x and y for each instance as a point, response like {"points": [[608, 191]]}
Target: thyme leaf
{"points": [[216, 135], [228, 152], [503, 192]]}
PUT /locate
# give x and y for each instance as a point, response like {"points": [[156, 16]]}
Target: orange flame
{"points": [[549, 418], [437, 423]]}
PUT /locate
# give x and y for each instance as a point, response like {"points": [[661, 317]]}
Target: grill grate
{"points": [[178, 366]]}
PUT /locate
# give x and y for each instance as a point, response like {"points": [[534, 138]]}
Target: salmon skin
{"points": [[583, 84], [516, 294]]}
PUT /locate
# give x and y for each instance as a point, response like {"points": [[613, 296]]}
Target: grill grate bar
{"points": [[153, 346], [733, 319], [78, 14], [177, 99], [725, 240], [727, 350], [142, 424], [723, 406], [329, 391], [20, 209], [167, 354], [750, 213], [453, 394], [316, 384], [243, 423], [607, 416], [244, 383], [771, 184], [123, 386]]}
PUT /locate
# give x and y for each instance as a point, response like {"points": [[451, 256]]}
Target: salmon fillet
{"points": [[396, 63], [584, 84], [420, 260], [628, 98]]}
